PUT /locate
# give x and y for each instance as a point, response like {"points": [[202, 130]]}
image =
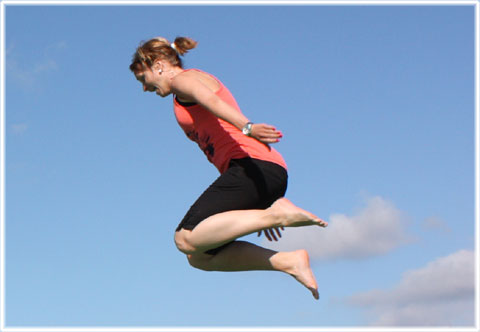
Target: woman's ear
{"points": [[158, 67]]}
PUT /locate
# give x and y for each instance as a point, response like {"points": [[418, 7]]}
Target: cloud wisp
{"points": [[375, 230], [438, 294], [19, 128], [436, 224], [27, 75]]}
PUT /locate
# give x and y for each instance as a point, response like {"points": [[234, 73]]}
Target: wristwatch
{"points": [[247, 129]]}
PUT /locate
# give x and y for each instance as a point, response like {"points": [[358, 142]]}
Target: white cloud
{"points": [[375, 230], [439, 294]]}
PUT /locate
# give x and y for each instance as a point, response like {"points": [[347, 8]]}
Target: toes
{"points": [[315, 293]]}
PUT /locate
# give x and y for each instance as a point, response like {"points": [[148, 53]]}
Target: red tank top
{"points": [[218, 139]]}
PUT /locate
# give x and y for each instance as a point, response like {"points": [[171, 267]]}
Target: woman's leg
{"points": [[245, 256], [225, 227], [224, 212]]}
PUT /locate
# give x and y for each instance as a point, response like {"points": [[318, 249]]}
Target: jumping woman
{"points": [[248, 196]]}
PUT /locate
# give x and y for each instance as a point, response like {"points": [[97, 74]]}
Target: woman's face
{"points": [[153, 81]]}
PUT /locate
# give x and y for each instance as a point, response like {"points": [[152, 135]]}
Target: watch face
{"points": [[247, 129]]}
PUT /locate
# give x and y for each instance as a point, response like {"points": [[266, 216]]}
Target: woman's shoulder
{"points": [[203, 77], [194, 72]]}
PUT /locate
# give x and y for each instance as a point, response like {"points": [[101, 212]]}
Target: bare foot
{"points": [[302, 272], [291, 215]]}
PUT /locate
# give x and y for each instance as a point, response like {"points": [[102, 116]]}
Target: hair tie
{"points": [[172, 45]]}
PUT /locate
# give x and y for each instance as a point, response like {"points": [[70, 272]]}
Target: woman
{"points": [[248, 195]]}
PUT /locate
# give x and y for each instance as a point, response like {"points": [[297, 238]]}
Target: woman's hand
{"points": [[265, 133], [270, 234]]}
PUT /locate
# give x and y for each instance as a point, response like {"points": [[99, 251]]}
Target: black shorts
{"points": [[247, 184]]}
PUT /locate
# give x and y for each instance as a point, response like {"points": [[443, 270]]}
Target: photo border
{"points": [[4, 3]]}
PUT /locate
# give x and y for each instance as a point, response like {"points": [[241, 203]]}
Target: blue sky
{"points": [[376, 104]]}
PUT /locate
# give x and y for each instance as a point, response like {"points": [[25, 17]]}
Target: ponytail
{"points": [[183, 44]]}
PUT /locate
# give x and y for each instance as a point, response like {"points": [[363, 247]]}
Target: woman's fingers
{"points": [[266, 133], [270, 233], [278, 232]]}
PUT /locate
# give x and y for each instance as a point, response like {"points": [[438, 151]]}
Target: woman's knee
{"points": [[182, 242]]}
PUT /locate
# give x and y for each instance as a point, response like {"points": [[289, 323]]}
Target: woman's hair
{"points": [[160, 48]]}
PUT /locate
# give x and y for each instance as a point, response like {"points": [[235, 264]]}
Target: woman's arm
{"points": [[190, 88]]}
